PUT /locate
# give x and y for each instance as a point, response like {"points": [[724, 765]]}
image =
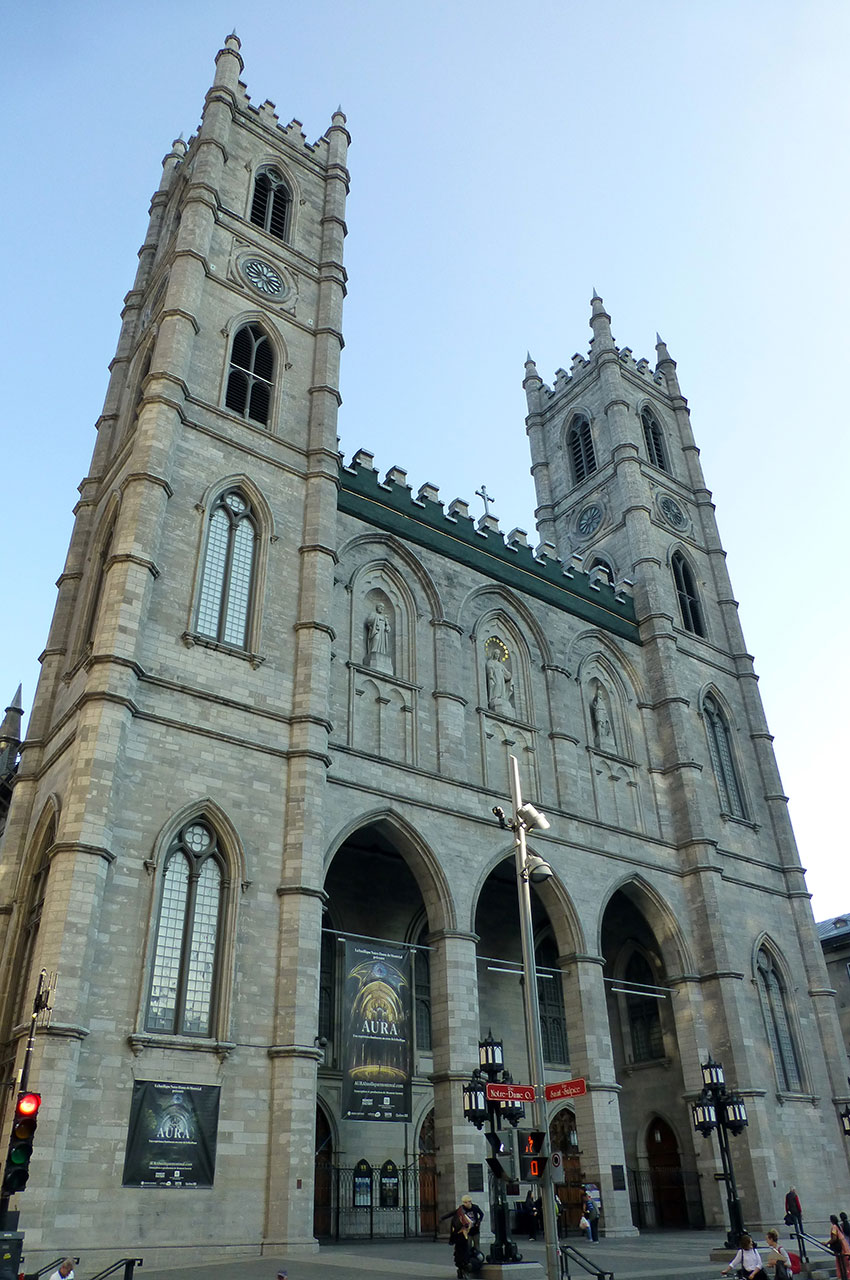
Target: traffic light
{"points": [[501, 1162], [17, 1171], [531, 1162]]}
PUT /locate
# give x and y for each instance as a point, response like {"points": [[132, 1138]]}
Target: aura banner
{"points": [[378, 1022], [172, 1135]]}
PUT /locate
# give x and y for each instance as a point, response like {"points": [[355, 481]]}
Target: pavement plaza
{"points": [[679, 1253]]}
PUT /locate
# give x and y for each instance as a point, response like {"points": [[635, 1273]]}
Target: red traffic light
{"points": [[28, 1104]]}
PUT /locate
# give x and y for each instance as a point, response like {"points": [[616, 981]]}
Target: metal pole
{"points": [[736, 1217], [532, 1026]]}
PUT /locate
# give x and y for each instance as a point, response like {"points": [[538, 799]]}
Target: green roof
{"points": [[390, 506]]}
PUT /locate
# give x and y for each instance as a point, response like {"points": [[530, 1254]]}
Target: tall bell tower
{"points": [[192, 625], [621, 495]]}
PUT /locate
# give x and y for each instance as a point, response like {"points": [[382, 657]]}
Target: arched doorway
{"points": [[665, 1173], [427, 1177], [323, 1186], [564, 1139]]}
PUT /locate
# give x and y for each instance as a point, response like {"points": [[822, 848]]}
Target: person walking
{"points": [[590, 1210], [794, 1218], [463, 1232], [793, 1210], [840, 1246]]}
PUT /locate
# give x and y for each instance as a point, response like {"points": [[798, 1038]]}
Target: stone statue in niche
{"points": [[499, 678], [600, 714], [379, 640]]}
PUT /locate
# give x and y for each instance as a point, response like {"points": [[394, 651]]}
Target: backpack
{"points": [[796, 1264]]}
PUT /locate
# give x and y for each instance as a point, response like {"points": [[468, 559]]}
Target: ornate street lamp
{"points": [[478, 1109], [719, 1108], [491, 1055], [475, 1101]]}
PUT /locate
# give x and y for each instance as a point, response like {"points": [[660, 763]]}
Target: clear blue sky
{"points": [[687, 160]]}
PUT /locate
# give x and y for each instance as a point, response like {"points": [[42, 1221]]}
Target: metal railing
{"points": [[841, 1259], [129, 1265], [51, 1266], [569, 1253]]}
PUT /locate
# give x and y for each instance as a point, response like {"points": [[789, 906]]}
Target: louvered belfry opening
{"points": [[580, 444], [271, 203], [249, 383]]}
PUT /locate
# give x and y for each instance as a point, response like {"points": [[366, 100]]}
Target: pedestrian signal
{"points": [[17, 1170], [531, 1163]]}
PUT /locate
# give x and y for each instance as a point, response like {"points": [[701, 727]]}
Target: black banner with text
{"points": [[378, 1032], [172, 1135]]}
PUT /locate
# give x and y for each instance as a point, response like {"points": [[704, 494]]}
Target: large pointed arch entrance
{"points": [[639, 947], [375, 1173]]}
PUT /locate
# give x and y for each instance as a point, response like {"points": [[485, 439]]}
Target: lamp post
{"points": [[532, 869], [719, 1108], [479, 1109]]}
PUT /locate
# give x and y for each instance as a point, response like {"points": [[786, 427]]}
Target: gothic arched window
{"points": [[182, 989], [99, 565], [31, 925], [722, 758], [642, 1010], [654, 440], [689, 605], [140, 387], [580, 446], [251, 376], [777, 1022], [226, 582], [550, 997], [271, 203]]}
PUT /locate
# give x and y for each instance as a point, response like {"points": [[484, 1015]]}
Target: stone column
{"points": [[598, 1125], [455, 1029], [450, 706]]}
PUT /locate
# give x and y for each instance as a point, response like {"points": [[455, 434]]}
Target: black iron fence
{"points": [[353, 1205], [665, 1198]]}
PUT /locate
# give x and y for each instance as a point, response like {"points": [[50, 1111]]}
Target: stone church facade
{"points": [[276, 708]]}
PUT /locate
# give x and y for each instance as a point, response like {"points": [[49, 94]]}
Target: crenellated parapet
{"points": [[581, 366], [390, 505]]}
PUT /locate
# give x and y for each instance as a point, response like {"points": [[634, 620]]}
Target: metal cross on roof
{"points": [[485, 497]]}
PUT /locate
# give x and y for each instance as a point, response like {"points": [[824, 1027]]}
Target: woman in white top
{"points": [[748, 1259]]}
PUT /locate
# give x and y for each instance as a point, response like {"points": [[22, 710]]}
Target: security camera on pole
{"points": [[532, 869]]}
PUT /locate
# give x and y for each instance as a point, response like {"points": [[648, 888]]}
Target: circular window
{"points": [[672, 512], [263, 277], [589, 519], [197, 838]]}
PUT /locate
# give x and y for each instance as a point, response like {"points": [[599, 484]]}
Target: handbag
{"points": [[789, 1219]]}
